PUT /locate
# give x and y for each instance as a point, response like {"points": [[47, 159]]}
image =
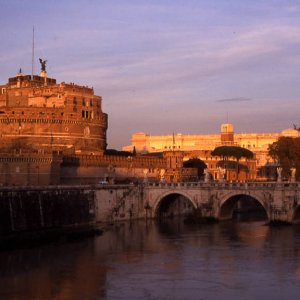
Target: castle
{"points": [[55, 133], [37, 112]]}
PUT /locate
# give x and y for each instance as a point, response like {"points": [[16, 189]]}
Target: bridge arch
{"points": [[184, 202], [229, 203], [296, 215]]}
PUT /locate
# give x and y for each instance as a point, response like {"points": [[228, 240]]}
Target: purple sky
{"points": [[166, 66]]}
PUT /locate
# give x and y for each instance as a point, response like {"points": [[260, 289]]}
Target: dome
{"points": [[290, 132]]}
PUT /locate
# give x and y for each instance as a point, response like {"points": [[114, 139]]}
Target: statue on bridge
{"points": [[146, 171], [293, 174], [279, 171], [162, 175], [206, 175], [222, 172]]}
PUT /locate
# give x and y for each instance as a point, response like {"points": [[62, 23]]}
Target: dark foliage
{"points": [[232, 151], [286, 152], [195, 163], [117, 152]]}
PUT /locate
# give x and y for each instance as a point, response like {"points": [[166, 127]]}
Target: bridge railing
{"points": [[226, 185], [178, 185]]}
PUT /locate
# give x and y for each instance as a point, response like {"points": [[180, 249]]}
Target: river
{"points": [[169, 260]]}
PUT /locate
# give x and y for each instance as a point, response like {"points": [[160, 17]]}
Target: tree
{"points": [[296, 127], [286, 152], [134, 151], [117, 152], [232, 151], [196, 163]]}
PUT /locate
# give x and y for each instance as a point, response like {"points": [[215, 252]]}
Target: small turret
{"points": [[227, 134]]}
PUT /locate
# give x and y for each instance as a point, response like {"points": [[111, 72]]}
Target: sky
{"points": [[164, 66]]}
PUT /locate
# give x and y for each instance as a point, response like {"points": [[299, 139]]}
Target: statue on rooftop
{"points": [[43, 64]]}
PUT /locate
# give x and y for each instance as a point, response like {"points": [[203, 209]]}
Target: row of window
{"points": [[172, 147], [178, 147], [41, 121], [86, 114], [249, 146], [84, 102]]}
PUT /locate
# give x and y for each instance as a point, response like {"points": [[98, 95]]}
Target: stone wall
{"points": [[22, 168], [95, 168], [32, 210]]}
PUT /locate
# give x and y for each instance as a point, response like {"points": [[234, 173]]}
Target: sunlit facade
{"points": [[258, 143]]}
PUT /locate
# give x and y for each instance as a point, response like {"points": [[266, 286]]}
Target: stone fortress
{"points": [[55, 133], [38, 112]]}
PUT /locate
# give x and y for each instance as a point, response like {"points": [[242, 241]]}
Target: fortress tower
{"points": [[38, 113]]}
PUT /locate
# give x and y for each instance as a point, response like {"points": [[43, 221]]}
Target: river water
{"points": [[170, 260]]}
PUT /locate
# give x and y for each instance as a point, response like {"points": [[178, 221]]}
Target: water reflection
{"points": [[169, 260]]}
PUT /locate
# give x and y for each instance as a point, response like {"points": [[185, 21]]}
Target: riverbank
{"points": [[28, 239]]}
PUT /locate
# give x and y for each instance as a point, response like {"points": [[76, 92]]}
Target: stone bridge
{"points": [[281, 201], [35, 208]]}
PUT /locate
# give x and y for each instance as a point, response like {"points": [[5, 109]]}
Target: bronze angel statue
{"points": [[43, 64]]}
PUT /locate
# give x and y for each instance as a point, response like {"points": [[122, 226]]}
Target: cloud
{"points": [[238, 99], [169, 65]]}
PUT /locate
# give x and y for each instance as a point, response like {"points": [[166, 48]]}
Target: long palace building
{"points": [[201, 145]]}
